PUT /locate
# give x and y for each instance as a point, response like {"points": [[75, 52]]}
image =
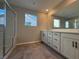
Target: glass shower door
{"points": [[9, 29]]}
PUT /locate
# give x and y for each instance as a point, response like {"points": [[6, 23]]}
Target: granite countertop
{"points": [[65, 30]]}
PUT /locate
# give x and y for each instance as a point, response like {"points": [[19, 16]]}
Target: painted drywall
{"points": [[25, 34]]}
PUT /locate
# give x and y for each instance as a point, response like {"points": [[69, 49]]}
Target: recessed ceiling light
{"points": [[47, 10]]}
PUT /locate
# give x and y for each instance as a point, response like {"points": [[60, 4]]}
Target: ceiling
{"points": [[41, 5], [70, 10], [38, 5]]}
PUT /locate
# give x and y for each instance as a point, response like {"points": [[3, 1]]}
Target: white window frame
{"points": [[31, 25]]}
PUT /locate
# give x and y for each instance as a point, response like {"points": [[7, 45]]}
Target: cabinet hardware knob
{"points": [[75, 44], [72, 43]]}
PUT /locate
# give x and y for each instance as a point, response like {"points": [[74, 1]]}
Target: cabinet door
{"points": [[77, 50], [67, 48]]}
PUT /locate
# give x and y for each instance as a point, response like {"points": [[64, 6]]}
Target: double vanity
{"points": [[64, 41]]}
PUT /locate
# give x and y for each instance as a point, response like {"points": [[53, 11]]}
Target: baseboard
{"points": [[6, 56], [28, 43]]}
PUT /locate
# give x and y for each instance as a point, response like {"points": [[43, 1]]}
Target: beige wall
{"points": [[25, 34]]}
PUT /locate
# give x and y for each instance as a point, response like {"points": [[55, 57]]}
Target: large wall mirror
{"points": [[65, 23], [72, 23]]}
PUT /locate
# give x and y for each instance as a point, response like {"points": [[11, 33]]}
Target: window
{"points": [[2, 11], [56, 23], [2, 17], [30, 20]]}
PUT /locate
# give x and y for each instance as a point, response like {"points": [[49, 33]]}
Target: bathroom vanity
{"points": [[64, 41]]}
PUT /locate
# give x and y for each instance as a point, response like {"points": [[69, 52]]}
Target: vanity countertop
{"points": [[65, 30], [76, 31]]}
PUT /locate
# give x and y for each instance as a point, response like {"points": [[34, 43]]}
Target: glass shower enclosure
{"points": [[7, 28]]}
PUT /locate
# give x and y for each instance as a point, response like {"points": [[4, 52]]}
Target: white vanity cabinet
{"points": [[44, 36], [52, 39], [70, 45], [65, 43], [56, 41]]}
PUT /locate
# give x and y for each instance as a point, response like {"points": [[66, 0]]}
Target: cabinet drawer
{"points": [[56, 40], [68, 35], [55, 34], [56, 47], [56, 44], [50, 34], [49, 38]]}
